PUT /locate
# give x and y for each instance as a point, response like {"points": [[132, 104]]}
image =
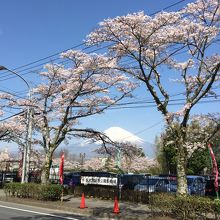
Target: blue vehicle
{"points": [[129, 181], [195, 185], [166, 184], [71, 179], [148, 184]]}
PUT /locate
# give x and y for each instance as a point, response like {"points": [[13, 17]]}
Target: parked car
{"points": [[11, 177], [166, 184], [148, 184], [129, 181]]}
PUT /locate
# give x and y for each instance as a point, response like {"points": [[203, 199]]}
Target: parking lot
{"points": [[128, 187], [138, 187]]}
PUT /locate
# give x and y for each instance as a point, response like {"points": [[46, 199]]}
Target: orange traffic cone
{"points": [[116, 207], [83, 204]]}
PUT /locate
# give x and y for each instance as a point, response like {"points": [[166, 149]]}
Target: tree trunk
{"points": [[181, 172], [46, 168]]}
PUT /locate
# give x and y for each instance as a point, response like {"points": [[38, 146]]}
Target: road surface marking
{"points": [[40, 213]]}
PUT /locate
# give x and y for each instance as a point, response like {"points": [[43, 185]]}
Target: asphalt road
{"points": [[14, 211]]}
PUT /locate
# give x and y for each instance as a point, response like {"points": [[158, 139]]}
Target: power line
{"points": [[57, 53], [13, 94], [150, 106], [170, 6], [131, 107], [148, 128], [150, 101], [126, 104], [9, 76], [76, 46], [141, 131], [19, 113], [12, 91], [47, 57]]}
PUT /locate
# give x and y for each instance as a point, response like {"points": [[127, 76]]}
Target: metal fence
{"points": [[138, 188], [196, 185], [127, 187]]}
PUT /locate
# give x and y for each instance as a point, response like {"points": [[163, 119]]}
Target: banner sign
{"points": [[214, 169], [107, 181], [61, 168]]}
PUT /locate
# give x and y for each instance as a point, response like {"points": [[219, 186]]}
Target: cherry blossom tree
{"points": [[136, 165], [120, 156], [13, 127], [182, 44], [114, 151], [139, 164], [123, 153], [14, 130], [202, 130], [95, 164], [4, 133], [6, 128], [4, 157], [85, 86]]}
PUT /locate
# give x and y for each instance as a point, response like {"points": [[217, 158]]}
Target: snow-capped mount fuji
{"points": [[121, 135], [116, 134]]}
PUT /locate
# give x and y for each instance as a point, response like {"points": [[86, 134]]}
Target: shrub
{"points": [[217, 208], [33, 190], [189, 207], [192, 207], [162, 202]]}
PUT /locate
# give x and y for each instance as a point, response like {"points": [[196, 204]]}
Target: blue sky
{"points": [[31, 30]]}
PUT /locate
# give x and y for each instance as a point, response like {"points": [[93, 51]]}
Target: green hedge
{"points": [[33, 190], [189, 207], [109, 192], [102, 192]]}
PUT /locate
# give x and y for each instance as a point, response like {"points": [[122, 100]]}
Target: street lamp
{"points": [[27, 148]]}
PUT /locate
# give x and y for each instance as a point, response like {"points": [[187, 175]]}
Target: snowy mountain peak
{"points": [[121, 135]]}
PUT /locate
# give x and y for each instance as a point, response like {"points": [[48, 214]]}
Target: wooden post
{"points": [[61, 198]]}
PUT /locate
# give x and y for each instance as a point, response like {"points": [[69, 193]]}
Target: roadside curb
{"points": [[98, 209], [47, 204]]}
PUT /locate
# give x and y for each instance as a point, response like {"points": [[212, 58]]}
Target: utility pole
{"points": [[27, 148], [82, 157], [118, 158], [29, 134]]}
